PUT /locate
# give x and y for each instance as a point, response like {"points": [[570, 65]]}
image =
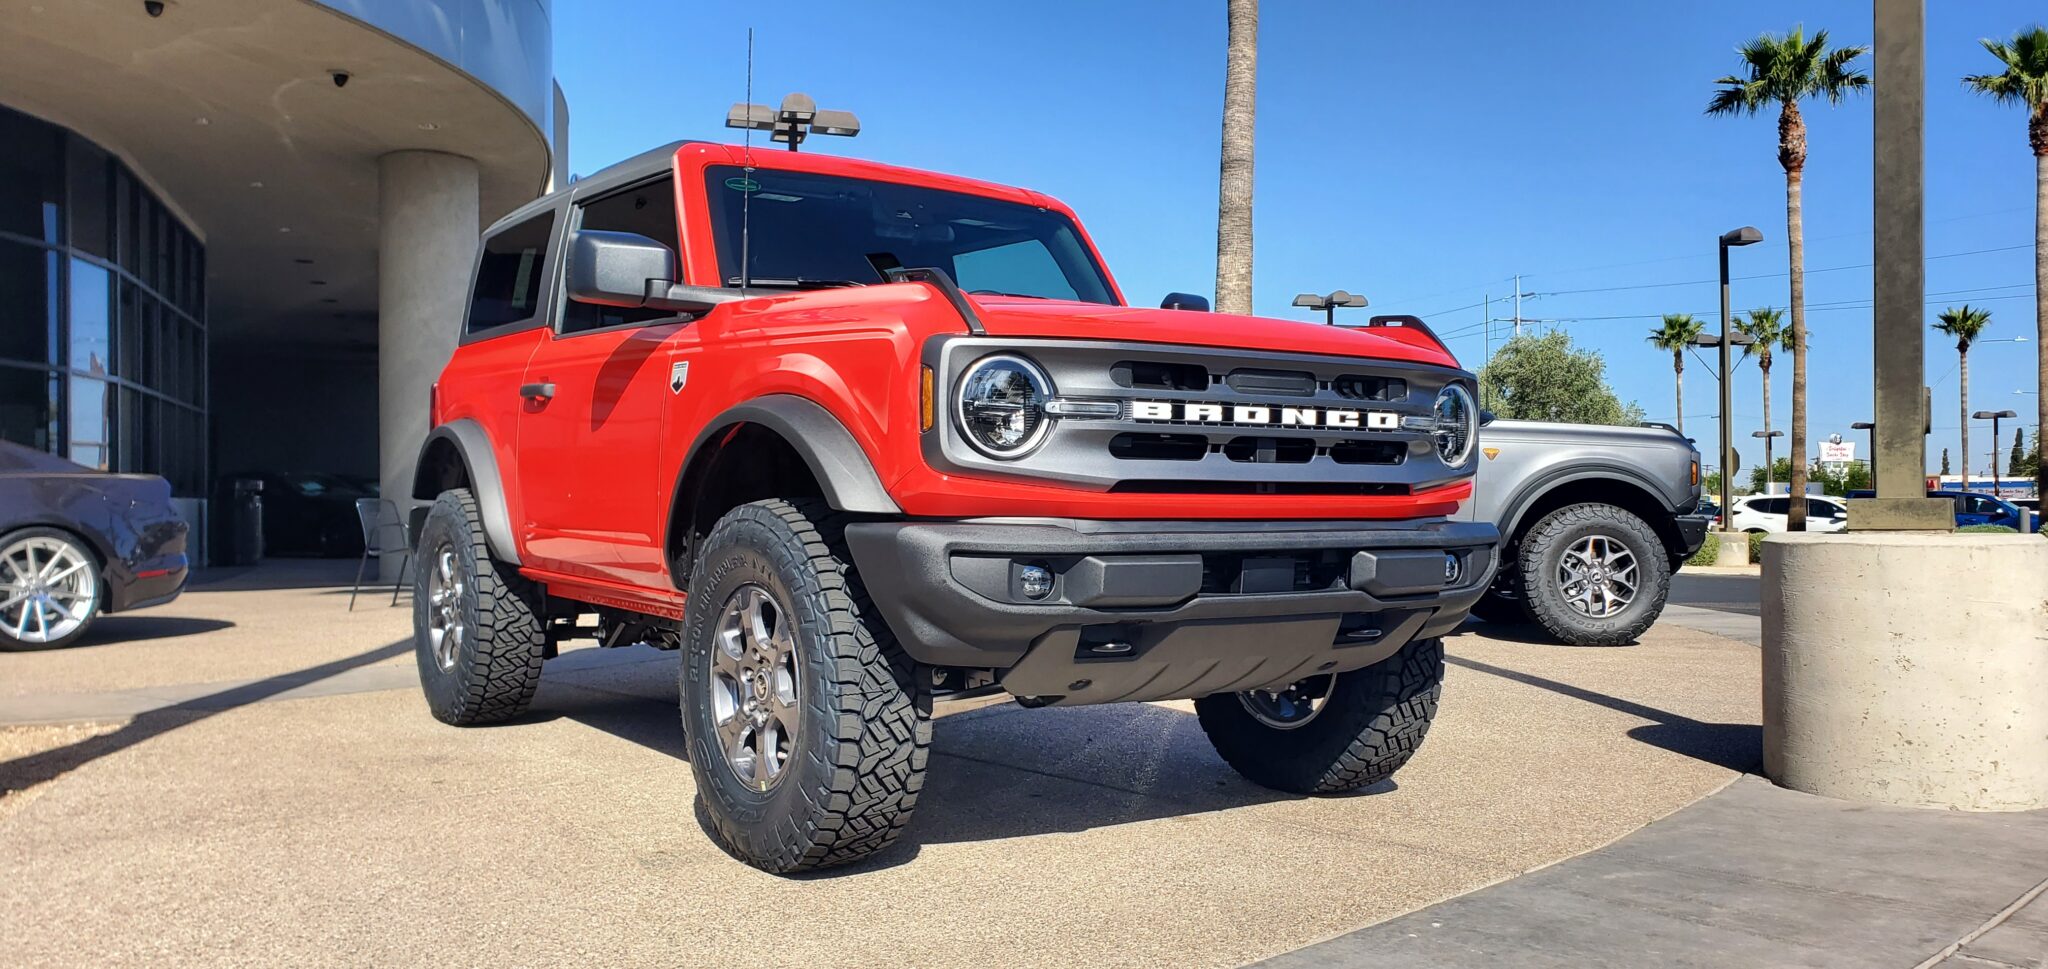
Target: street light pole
{"points": [[1745, 236], [1329, 304], [1994, 416], [1770, 466]]}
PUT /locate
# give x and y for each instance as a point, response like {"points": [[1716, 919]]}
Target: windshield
{"points": [[809, 230]]}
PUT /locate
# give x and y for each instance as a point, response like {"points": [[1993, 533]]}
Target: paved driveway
{"points": [[274, 792]]}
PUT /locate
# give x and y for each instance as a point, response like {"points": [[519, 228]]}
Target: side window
{"points": [[1774, 506], [648, 209], [1815, 508], [509, 275]]}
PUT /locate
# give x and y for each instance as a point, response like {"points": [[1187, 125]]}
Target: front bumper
{"points": [[1145, 610], [1692, 533]]}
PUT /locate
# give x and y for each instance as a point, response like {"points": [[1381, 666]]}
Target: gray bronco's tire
{"points": [[1372, 721], [1546, 545], [488, 670], [852, 761]]}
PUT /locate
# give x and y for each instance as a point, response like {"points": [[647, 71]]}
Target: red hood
{"points": [[1025, 318]]}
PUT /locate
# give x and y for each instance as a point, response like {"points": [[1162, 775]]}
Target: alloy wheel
{"points": [[48, 588], [754, 687], [1598, 576], [447, 630], [1291, 707]]}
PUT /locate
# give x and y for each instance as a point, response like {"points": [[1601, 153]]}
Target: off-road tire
{"points": [[1372, 722], [497, 667], [857, 762], [1546, 543]]}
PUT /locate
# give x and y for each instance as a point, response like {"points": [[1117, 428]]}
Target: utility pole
{"points": [[1486, 324], [1518, 306]]}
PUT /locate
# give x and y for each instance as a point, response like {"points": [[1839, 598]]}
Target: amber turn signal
{"points": [[924, 399]]}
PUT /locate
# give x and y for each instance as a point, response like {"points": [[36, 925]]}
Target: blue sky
{"points": [[1421, 154]]}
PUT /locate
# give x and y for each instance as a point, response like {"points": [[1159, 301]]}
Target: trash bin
{"points": [[241, 522]]}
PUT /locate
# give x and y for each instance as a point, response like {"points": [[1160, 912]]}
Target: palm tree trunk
{"points": [[1795, 239], [2041, 296], [1678, 372], [1965, 367], [1234, 195]]}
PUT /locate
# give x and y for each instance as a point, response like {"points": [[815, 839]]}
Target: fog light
{"points": [[1454, 568], [1035, 581]]}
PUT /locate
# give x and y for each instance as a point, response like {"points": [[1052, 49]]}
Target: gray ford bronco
{"points": [[1593, 522]]}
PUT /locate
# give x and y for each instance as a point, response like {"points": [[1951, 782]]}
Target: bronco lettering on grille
{"points": [[1259, 415]]}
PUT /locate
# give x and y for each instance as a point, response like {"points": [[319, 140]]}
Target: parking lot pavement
{"points": [[1727, 604], [277, 817]]}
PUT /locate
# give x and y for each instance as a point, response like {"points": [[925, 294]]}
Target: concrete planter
{"points": [[1908, 668]]}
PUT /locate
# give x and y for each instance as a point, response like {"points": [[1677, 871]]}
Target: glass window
{"points": [[508, 276], [1773, 506], [1822, 509], [807, 230], [28, 304], [28, 407], [91, 291], [31, 177], [1028, 266], [90, 226], [648, 210], [88, 424]]}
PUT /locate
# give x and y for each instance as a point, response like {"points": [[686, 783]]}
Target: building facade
{"points": [[235, 235]]}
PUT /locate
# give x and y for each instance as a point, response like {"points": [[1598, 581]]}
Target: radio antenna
{"points": [[747, 174]]}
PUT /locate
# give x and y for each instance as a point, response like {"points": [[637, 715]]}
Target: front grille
{"points": [[1270, 450], [1152, 375], [1159, 447]]}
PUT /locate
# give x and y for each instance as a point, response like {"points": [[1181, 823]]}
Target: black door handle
{"points": [[537, 391]]}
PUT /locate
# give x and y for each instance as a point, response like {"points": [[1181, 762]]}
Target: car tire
{"points": [[1369, 723], [478, 635], [25, 625], [808, 727], [1604, 531]]}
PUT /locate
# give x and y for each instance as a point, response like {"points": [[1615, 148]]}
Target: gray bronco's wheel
{"points": [[477, 631], [1594, 575], [808, 729], [1332, 733], [50, 589]]}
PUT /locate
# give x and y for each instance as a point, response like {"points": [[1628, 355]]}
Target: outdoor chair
{"points": [[381, 525]]}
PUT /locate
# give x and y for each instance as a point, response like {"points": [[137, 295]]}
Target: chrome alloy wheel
{"points": [[754, 679], [1598, 576], [48, 588], [1291, 707], [447, 630]]}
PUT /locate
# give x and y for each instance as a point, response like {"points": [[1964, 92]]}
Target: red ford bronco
{"points": [[853, 437]]}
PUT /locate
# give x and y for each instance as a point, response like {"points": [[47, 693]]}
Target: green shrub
{"points": [[1709, 553], [1756, 548], [2008, 529]]}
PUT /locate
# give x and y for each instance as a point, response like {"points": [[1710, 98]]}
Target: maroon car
{"points": [[76, 543]]}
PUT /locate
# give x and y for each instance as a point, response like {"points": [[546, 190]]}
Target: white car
{"points": [[1766, 513]]}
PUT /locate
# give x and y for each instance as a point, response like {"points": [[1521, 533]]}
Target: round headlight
{"points": [[1457, 423], [1002, 405]]}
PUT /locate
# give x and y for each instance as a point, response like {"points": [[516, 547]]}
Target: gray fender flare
{"points": [[473, 447], [836, 460], [1531, 491]]}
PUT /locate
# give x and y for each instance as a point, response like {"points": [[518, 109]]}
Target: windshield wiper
{"points": [[794, 282]]}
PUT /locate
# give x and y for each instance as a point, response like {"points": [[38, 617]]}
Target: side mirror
{"points": [[631, 270], [1486, 417], [1184, 301]]}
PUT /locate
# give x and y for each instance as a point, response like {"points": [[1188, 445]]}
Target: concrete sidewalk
{"points": [[1753, 876]]}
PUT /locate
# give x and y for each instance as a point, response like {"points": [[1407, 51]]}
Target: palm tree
{"points": [[1234, 193], [1784, 71], [2025, 83], [1766, 330], [1676, 335], [1964, 323]]}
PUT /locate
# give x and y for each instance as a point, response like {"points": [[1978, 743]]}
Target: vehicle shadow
{"points": [[1523, 633], [995, 772], [119, 630]]}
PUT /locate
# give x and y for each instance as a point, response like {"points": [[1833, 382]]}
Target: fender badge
{"points": [[1490, 452], [678, 375]]}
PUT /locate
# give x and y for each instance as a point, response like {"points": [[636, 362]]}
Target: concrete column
{"points": [[427, 228], [1908, 668]]}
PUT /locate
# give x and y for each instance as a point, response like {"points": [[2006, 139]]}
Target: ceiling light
{"points": [[429, 126]]}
